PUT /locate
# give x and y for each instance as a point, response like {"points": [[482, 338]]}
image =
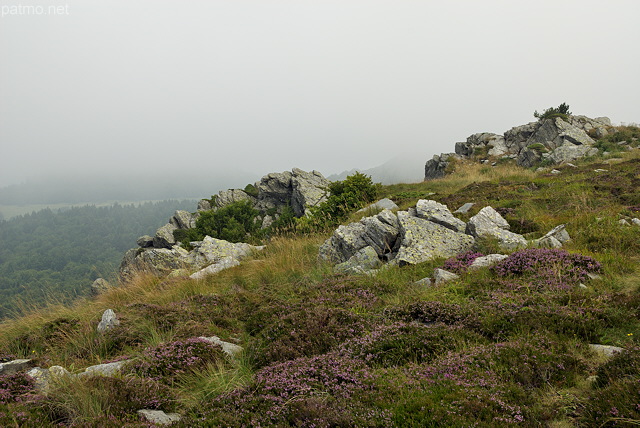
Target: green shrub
{"points": [[346, 196], [234, 223], [561, 111]]}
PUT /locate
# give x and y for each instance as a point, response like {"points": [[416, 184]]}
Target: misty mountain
{"points": [[119, 187], [405, 169]]}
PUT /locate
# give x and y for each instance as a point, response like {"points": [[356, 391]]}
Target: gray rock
{"points": [[484, 142], [436, 167], [486, 220], [489, 223], [363, 260], [164, 236], [344, 243], [211, 250], [145, 241], [553, 239], [439, 213], [274, 190], [231, 349], [220, 265], [636, 221], [382, 204], [109, 320], [158, 417], [464, 209], [555, 171], [624, 222], [424, 282], [381, 232], [267, 221], [441, 276], [308, 189], [15, 366], [227, 197], [183, 220], [106, 369], [204, 205], [529, 157], [155, 261], [422, 240], [99, 286], [569, 152], [45, 378], [487, 261], [606, 350]]}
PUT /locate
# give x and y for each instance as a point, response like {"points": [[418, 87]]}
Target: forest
{"points": [[52, 255]]}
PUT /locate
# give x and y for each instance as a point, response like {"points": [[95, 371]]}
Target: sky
{"points": [[258, 86]]}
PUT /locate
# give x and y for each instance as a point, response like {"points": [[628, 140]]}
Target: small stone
{"points": [[555, 171], [606, 350], [441, 276], [159, 417], [593, 276], [14, 366], [109, 320], [465, 208], [600, 170], [424, 282], [624, 222], [487, 261], [636, 221], [230, 349], [581, 285]]}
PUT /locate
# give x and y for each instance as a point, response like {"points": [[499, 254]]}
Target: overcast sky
{"points": [[162, 86]]}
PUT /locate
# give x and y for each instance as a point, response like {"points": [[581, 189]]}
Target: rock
{"points": [[274, 190], [158, 417], [145, 241], [267, 221], [441, 276], [439, 213], [15, 366], [382, 204], [600, 170], [183, 220], [484, 143], [220, 265], [227, 197], [555, 171], [381, 232], [109, 320], [424, 282], [529, 157], [106, 369], [231, 349], [553, 239], [211, 250], [569, 152], [435, 168], [155, 261], [606, 350], [636, 221], [487, 261], [308, 189], [204, 205], [164, 236], [489, 223], [593, 276], [624, 222], [422, 240], [99, 286], [363, 260], [45, 377], [464, 209]]}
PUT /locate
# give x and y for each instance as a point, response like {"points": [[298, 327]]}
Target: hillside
{"points": [[497, 346]]}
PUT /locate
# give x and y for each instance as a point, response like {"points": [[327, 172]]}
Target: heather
{"points": [[506, 345]]}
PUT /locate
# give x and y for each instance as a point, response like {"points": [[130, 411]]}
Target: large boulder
{"points": [[183, 220], [422, 240], [439, 213], [362, 261], [488, 223], [436, 167], [308, 189], [156, 261], [164, 236], [379, 232], [483, 143], [226, 197], [569, 152]]}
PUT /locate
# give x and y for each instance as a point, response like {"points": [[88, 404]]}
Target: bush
{"points": [[346, 196], [234, 223], [561, 111]]}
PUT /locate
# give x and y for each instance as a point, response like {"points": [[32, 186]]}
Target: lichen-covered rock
{"points": [[231, 349], [108, 321], [439, 213], [158, 417], [423, 240], [436, 167], [45, 377], [488, 223], [99, 286], [212, 250], [183, 220], [382, 204], [106, 369], [363, 260], [308, 189], [226, 197], [486, 261], [164, 236], [553, 239], [155, 261], [14, 366], [441, 276], [569, 152]]}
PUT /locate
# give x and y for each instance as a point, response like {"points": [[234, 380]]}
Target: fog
{"points": [[174, 88]]}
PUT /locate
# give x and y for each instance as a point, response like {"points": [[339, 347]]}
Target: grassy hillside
{"points": [[497, 347]]}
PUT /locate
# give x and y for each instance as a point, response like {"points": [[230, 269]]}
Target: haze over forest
{"points": [[193, 92]]}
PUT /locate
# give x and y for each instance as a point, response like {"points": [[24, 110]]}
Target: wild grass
{"points": [[496, 347]]}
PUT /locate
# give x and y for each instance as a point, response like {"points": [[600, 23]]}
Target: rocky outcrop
{"points": [[554, 140], [488, 223], [207, 257]]}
